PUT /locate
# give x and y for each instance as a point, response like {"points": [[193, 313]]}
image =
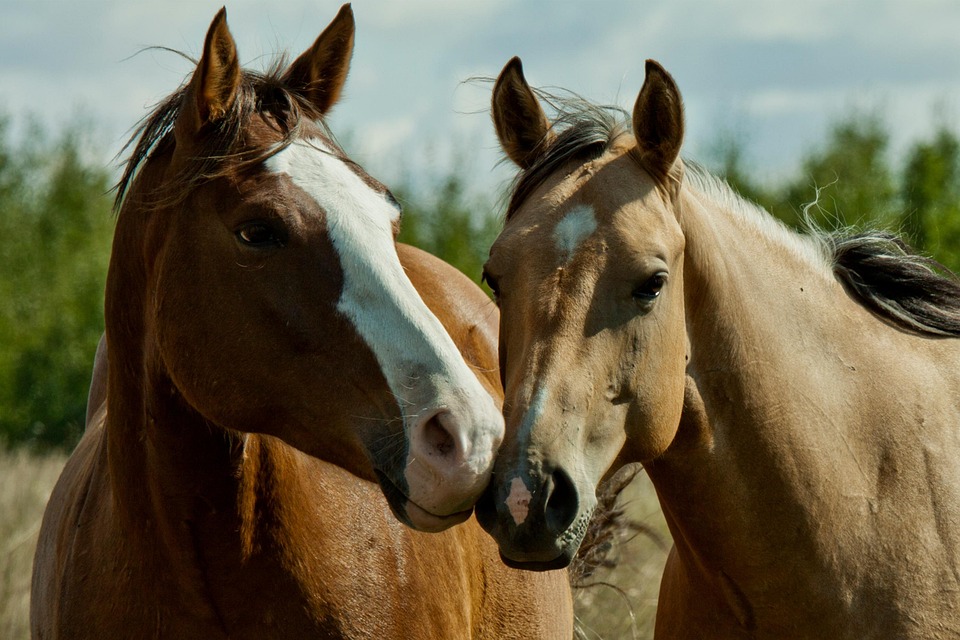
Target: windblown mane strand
{"points": [[812, 247], [265, 93], [879, 269]]}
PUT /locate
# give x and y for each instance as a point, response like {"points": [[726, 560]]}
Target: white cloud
{"points": [[384, 137], [447, 15], [786, 66]]}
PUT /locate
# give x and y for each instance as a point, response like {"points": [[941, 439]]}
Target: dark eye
{"points": [[649, 290], [492, 283], [258, 235]]}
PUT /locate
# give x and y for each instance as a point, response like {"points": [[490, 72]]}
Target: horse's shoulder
{"points": [[75, 489], [464, 310], [444, 287]]}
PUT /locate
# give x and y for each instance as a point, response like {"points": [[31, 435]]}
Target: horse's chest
{"points": [[343, 581]]}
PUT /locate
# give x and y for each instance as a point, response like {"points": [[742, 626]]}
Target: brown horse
{"points": [[795, 399], [271, 355]]}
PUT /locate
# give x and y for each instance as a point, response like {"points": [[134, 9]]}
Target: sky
{"points": [[776, 73]]}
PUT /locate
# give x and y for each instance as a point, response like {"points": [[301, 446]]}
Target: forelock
{"points": [[582, 131], [264, 93]]}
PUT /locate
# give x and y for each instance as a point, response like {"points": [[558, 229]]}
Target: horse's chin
{"points": [[412, 514], [562, 561], [422, 520]]}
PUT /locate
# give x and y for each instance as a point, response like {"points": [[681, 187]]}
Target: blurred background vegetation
{"points": [[56, 225], [55, 232]]}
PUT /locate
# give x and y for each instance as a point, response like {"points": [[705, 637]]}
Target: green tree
{"points": [[849, 178], [445, 219], [728, 160], [56, 223], [930, 192]]}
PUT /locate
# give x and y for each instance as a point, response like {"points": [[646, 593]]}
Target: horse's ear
{"points": [[213, 88], [320, 72], [658, 121], [521, 124]]}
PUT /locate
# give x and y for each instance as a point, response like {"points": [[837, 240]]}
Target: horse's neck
{"points": [[746, 456], [815, 440], [759, 299], [159, 452], [164, 459]]}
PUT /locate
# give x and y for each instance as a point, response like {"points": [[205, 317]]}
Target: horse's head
{"points": [[588, 272], [259, 265]]}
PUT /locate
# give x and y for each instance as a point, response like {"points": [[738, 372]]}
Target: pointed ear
{"points": [[658, 121], [320, 72], [213, 88], [521, 124]]}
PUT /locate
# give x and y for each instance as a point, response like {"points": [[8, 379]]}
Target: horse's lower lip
{"points": [[423, 520], [412, 514]]}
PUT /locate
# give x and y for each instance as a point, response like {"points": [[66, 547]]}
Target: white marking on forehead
{"points": [[377, 296], [575, 227], [316, 169], [518, 502]]}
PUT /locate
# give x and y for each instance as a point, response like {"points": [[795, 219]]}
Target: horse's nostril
{"points": [[438, 438], [438, 434], [562, 502]]}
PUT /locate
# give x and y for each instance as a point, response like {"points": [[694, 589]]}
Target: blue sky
{"points": [[776, 72]]}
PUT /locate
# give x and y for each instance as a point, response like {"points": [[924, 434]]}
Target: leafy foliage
{"points": [[930, 192], [56, 227], [448, 221], [853, 182], [849, 177], [56, 223]]}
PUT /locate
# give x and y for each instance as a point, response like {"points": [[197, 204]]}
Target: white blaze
{"points": [[575, 227], [377, 296]]}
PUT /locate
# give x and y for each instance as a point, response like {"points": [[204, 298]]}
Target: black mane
{"points": [[912, 291]]}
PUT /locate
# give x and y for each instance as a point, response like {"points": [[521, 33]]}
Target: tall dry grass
{"points": [[621, 602], [26, 481], [619, 606]]}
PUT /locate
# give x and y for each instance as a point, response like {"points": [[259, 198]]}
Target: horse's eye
{"points": [[651, 288], [259, 235]]}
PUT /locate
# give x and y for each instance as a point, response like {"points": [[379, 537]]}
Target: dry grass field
{"points": [[620, 605], [622, 602], [25, 482]]}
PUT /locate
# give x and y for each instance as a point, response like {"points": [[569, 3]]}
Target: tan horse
{"points": [[273, 355], [795, 400]]}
